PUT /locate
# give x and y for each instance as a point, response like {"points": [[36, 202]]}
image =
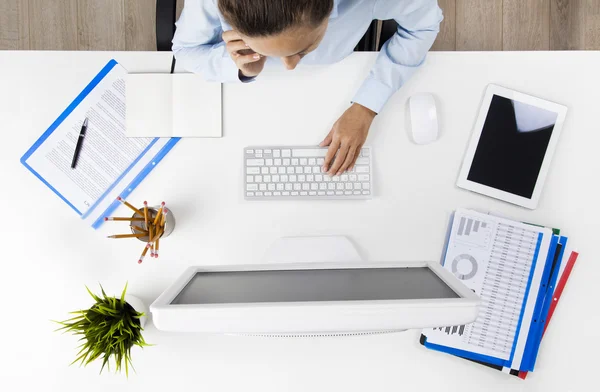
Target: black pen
{"points": [[79, 143]]}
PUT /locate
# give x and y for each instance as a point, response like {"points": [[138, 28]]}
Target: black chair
{"points": [[373, 39]]}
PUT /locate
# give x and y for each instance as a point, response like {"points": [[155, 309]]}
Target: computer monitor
{"points": [[314, 299]]}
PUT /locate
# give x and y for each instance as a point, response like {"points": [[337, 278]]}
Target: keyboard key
{"points": [[303, 161], [285, 193], [348, 186], [316, 169], [268, 194], [336, 178], [273, 170], [276, 153], [267, 151], [284, 178], [295, 162], [365, 185], [286, 161], [363, 177], [249, 178], [303, 193], [331, 186], [305, 186], [301, 178], [276, 193], [309, 152], [288, 186], [249, 194], [295, 193], [269, 162], [362, 161], [262, 187], [252, 187], [258, 151], [267, 178], [290, 170], [312, 193], [352, 177], [252, 170], [344, 177], [312, 161], [339, 186], [277, 162], [308, 170], [255, 162], [286, 153], [314, 186], [293, 178], [275, 178], [299, 170], [348, 193], [357, 185], [321, 193], [330, 193], [249, 151], [356, 192], [319, 178], [326, 178], [258, 193], [271, 187], [258, 154], [339, 193], [258, 179], [297, 186], [361, 169], [310, 178], [365, 152], [281, 170], [264, 170], [366, 192], [320, 161], [279, 187], [322, 186]]}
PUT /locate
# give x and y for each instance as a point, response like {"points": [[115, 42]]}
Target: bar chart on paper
{"points": [[494, 259]]}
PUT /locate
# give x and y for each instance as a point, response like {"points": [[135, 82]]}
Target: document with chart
{"points": [[505, 263]]}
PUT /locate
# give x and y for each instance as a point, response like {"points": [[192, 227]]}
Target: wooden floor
{"points": [[468, 24]]}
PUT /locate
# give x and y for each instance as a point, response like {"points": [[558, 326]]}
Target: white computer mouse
{"points": [[423, 118]]}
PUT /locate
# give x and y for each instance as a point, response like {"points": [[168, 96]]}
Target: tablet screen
{"points": [[512, 146], [353, 284]]}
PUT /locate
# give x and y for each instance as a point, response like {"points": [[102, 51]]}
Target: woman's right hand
{"points": [[248, 62]]}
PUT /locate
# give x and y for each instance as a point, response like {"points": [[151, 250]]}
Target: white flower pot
{"points": [[139, 306]]}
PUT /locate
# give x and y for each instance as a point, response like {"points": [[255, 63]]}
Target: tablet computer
{"points": [[511, 147]]}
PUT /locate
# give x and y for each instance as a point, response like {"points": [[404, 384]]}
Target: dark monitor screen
{"points": [[358, 284], [512, 146]]}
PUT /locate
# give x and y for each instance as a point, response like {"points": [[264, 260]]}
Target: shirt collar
{"points": [[334, 10]]}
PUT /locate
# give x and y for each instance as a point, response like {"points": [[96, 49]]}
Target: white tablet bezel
{"points": [[464, 183]]}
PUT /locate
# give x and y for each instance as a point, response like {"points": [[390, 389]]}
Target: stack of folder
{"points": [[519, 271]]}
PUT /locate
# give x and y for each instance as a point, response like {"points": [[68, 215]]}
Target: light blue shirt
{"points": [[199, 48]]}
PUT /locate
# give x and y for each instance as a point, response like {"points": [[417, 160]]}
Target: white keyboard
{"points": [[296, 173]]}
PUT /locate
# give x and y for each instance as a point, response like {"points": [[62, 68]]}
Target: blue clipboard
{"points": [[138, 179]]}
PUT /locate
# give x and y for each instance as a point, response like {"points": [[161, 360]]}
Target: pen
{"points": [[79, 143]]}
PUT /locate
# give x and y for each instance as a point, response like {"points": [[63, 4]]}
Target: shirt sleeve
{"points": [[418, 25], [198, 46]]}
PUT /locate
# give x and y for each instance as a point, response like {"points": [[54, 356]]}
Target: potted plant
{"points": [[110, 328]]}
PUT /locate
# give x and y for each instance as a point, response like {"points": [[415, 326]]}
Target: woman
{"points": [[230, 41]]}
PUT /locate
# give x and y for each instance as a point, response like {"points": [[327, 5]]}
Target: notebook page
{"points": [[196, 107], [149, 105], [105, 154], [494, 257]]}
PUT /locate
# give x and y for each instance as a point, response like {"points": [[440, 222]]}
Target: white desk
{"points": [[45, 267]]}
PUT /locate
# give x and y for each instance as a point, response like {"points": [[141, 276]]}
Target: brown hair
{"points": [[259, 18]]}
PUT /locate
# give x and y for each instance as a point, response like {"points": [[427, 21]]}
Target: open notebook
{"points": [[172, 105]]}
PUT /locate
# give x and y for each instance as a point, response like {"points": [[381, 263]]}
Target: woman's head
{"points": [[288, 29]]}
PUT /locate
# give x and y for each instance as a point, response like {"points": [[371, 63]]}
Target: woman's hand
{"points": [[346, 138], [248, 62]]}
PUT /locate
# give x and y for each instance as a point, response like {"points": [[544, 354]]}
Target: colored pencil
{"points": [[130, 206]]}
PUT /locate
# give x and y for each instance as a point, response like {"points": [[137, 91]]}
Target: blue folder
{"points": [[128, 189], [541, 308]]}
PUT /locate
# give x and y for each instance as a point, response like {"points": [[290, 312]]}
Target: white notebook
{"points": [[172, 105]]}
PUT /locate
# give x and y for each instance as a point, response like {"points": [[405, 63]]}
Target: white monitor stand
{"points": [[314, 286]]}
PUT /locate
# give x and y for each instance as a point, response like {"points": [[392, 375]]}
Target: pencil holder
{"points": [[140, 226]]}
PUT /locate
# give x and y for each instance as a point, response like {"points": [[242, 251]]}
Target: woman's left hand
{"points": [[346, 138]]}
